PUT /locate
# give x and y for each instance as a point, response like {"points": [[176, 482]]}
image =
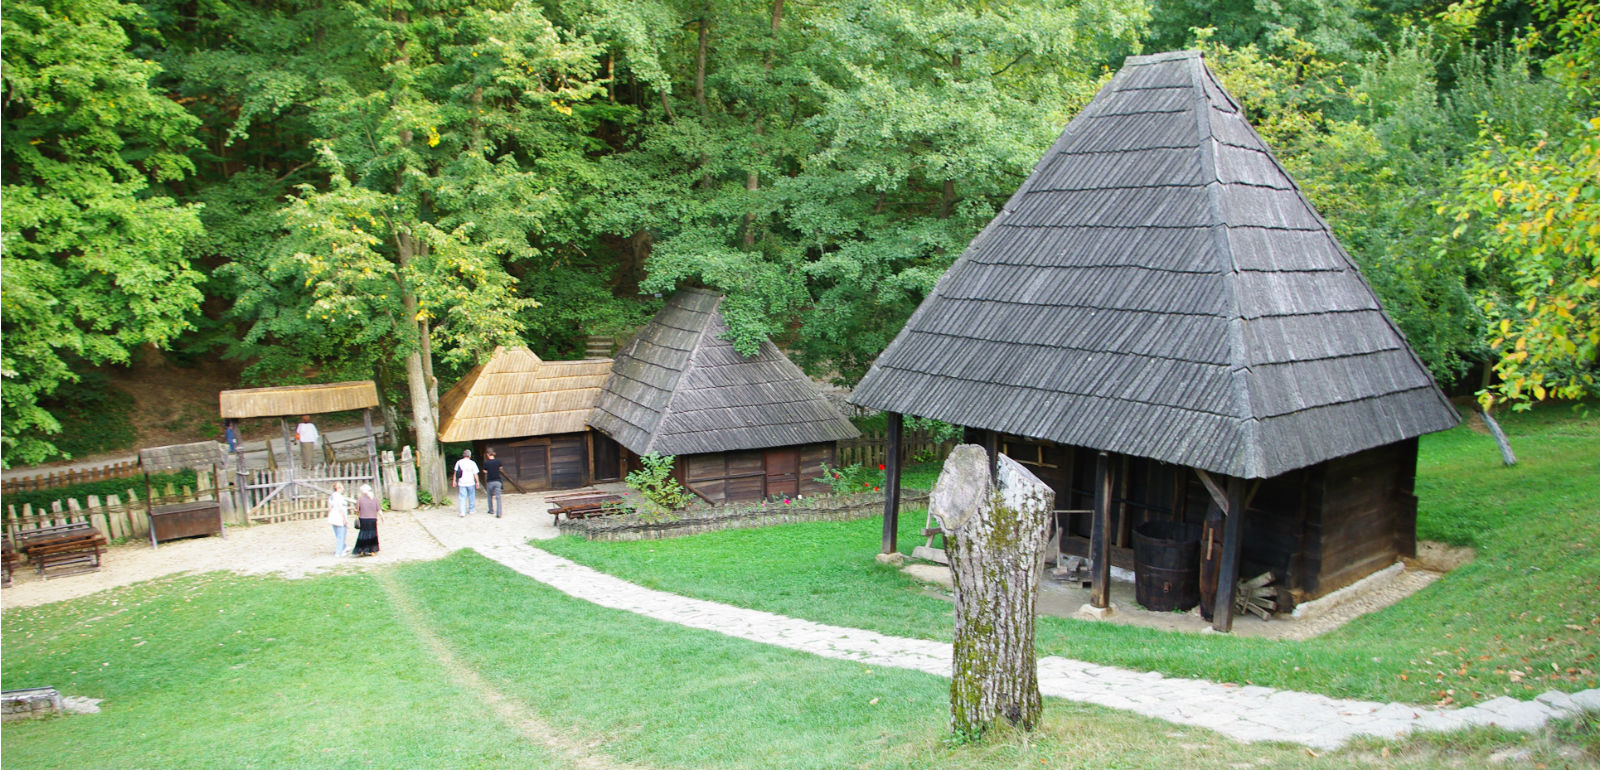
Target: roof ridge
{"points": [[1228, 269], [690, 363]]}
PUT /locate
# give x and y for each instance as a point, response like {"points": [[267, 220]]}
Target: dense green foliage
{"points": [[331, 191], [94, 260]]}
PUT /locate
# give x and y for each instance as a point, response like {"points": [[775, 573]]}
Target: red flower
{"points": [[875, 489], [880, 466]]}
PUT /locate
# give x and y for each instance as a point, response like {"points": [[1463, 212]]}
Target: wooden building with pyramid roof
{"points": [[533, 413], [1161, 326], [742, 428]]}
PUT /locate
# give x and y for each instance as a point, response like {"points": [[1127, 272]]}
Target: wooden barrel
{"points": [[1166, 566]]}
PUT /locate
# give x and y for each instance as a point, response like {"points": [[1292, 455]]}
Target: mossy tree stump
{"points": [[996, 545]]}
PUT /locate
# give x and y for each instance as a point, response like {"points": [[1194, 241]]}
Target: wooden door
{"points": [[607, 458], [525, 462], [783, 472], [569, 462]]}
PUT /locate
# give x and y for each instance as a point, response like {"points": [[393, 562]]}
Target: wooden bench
{"points": [[581, 505], [64, 549]]}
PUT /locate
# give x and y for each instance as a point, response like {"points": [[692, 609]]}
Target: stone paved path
{"points": [[1244, 713]]}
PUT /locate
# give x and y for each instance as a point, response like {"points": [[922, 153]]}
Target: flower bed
{"points": [[706, 518]]}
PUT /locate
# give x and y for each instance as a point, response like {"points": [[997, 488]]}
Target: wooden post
{"points": [[1100, 535], [891, 491], [372, 453], [991, 444], [1228, 576]]}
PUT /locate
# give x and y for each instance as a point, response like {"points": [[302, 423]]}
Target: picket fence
{"points": [[54, 479], [872, 449], [114, 516]]}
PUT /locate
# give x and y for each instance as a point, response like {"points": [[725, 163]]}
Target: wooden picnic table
{"points": [[581, 505], [63, 549]]}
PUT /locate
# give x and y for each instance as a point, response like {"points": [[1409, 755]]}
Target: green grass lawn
{"points": [[217, 671], [349, 670], [1521, 619]]}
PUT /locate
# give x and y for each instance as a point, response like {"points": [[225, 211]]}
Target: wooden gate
{"points": [[289, 494]]}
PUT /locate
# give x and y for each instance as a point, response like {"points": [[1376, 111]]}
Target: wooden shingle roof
{"points": [[1159, 287], [679, 388], [515, 393]]}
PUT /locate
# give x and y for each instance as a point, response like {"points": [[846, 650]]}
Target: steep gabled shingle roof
{"points": [[679, 388], [515, 393], [1159, 287]]}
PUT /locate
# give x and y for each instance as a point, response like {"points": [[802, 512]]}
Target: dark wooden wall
{"points": [[561, 461], [755, 474], [1322, 527]]}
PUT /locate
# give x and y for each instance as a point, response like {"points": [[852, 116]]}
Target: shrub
{"points": [[851, 478], [40, 499], [661, 495]]}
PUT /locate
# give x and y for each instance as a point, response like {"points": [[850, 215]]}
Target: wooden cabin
{"points": [[1161, 326], [532, 413], [742, 428]]}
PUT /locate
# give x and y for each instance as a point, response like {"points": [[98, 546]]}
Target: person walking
{"points": [[492, 484], [368, 512], [466, 483], [339, 517], [231, 435], [308, 437]]}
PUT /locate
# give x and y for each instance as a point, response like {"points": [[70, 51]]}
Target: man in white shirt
{"points": [[465, 481], [308, 436]]}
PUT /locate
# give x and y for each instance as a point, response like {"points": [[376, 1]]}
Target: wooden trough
{"points": [[172, 521]]}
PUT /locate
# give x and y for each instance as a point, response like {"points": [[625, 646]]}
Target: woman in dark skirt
{"points": [[367, 512]]}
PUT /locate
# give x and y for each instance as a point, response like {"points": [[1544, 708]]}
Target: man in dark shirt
{"points": [[492, 484]]}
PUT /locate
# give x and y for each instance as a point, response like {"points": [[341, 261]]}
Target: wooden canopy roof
{"points": [[515, 393], [1159, 287], [298, 399], [678, 388]]}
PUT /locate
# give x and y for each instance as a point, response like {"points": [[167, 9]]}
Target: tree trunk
{"points": [[430, 471], [996, 545]]}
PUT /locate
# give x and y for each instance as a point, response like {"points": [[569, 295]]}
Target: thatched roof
{"points": [[298, 399], [515, 393], [679, 388], [201, 454], [1159, 287]]}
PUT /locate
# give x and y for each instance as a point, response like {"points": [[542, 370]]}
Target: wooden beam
{"points": [[1217, 495], [1100, 535], [1228, 575], [991, 445], [891, 486]]}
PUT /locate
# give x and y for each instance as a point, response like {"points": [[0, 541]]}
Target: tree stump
{"points": [[996, 546]]}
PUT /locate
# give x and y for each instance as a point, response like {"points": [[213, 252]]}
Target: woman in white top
{"points": [[339, 517]]}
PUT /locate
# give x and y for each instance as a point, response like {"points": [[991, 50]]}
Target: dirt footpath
{"points": [[294, 549]]}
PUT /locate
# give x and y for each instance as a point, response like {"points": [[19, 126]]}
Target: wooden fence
{"points": [[290, 494], [122, 470], [872, 449], [124, 515]]}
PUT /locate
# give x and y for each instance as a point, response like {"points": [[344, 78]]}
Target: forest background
{"points": [[324, 190]]}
